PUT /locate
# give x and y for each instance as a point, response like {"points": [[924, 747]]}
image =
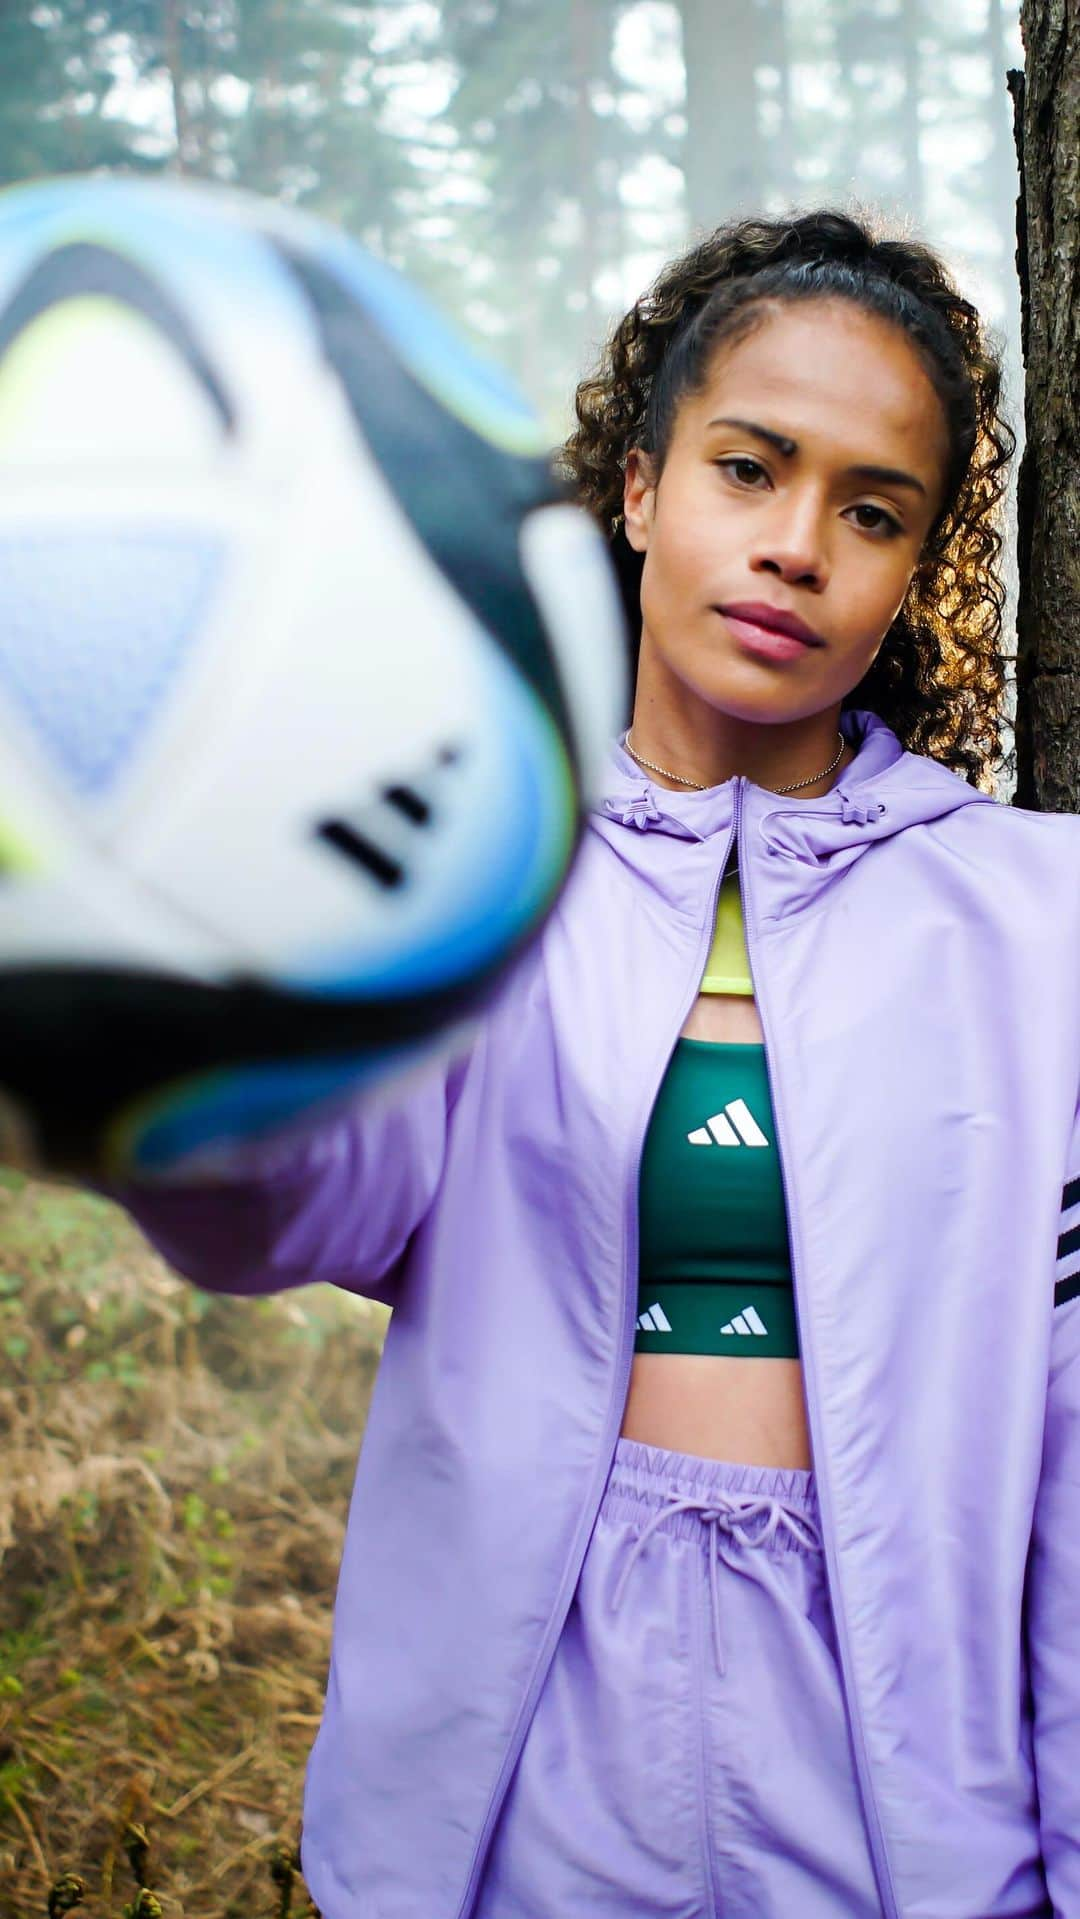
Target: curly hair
{"points": [[939, 677]]}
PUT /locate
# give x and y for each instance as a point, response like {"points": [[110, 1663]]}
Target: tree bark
{"points": [[1048, 506]]}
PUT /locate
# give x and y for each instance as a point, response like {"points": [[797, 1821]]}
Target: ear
{"points": [[639, 497]]}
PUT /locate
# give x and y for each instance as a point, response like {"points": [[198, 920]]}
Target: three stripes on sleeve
{"points": [[1067, 1275]]}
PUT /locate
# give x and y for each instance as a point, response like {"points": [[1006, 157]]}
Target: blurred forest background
{"points": [[179, 1466], [533, 165]]}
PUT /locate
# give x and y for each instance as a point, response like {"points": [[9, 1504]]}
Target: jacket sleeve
{"points": [[337, 1203], [1053, 1594]]}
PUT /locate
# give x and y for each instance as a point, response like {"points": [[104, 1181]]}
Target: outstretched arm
{"points": [[338, 1203]]}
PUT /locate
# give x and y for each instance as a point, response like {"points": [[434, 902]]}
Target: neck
{"points": [[679, 729], [770, 756]]}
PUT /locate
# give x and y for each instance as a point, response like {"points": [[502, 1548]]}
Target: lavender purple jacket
{"points": [[914, 947]]}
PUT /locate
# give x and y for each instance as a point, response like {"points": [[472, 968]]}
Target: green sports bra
{"points": [[714, 1261]]}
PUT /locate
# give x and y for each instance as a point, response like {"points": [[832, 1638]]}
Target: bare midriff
{"points": [[750, 1411]]}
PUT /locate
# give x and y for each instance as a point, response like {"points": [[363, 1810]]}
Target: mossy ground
{"points": [[177, 1475]]}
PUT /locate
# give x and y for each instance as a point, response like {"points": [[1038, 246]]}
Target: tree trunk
{"points": [[910, 24], [584, 54], [783, 170], [180, 160], [1048, 508], [724, 164], [1003, 171]]}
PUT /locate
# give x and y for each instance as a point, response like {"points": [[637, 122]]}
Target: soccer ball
{"points": [[308, 665]]}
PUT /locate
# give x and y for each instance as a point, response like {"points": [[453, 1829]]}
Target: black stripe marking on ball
{"points": [[408, 802], [363, 852]]}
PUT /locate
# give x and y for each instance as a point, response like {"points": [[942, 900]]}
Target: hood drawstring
{"points": [[641, 809]]}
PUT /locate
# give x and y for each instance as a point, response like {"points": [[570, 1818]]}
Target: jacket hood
{"points": [[882, 792]]}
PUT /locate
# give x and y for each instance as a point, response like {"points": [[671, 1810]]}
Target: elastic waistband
{"points": [[645, 1479], [763, 1509]]}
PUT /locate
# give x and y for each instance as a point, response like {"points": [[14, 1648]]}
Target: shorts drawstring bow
{"points": [[728, 1513]]}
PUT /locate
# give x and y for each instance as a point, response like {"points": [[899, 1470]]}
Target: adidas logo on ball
{"points": [[373, 837]]}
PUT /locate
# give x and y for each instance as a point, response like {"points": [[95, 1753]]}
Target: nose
{"points": [[790, 541]]}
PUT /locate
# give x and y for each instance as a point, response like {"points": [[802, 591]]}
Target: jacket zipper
{"points": [[820, 1457], [615, 1410], [617, 1406]]}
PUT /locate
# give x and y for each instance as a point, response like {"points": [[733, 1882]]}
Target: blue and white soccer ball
{"points": [[307, 668]]}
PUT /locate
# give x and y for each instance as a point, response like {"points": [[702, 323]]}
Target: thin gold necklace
{"points": [[698, 788]]}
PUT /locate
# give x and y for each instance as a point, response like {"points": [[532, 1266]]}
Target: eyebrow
{"points": [[888, 475]]}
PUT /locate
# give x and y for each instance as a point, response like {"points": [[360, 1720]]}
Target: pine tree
{"points": [[535, 99]]}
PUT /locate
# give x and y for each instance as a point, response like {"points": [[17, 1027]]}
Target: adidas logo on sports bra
{"points": [[749, 1321], [735, 1126]]}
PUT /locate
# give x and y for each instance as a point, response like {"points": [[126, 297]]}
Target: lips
{"points": [[774, 619]]}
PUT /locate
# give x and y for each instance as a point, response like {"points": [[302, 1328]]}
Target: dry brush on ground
{"points": [[178, 1468]]}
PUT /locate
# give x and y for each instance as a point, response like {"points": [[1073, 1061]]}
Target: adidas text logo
{"points": [[748, 1321], [735, 1126]]}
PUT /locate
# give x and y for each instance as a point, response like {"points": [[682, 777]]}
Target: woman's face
{"points": [[767, 497]]}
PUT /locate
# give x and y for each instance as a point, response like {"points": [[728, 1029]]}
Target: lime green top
{"points": [[727, 969]]}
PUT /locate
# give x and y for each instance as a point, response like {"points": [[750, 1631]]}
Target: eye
{"points": [[884, 524], [746, 471], [742, 461]]}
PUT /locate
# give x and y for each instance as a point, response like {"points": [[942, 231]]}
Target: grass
{"points": [[178, 1469]]}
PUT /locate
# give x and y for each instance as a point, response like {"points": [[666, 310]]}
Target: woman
{"points": [[715, 1543]]}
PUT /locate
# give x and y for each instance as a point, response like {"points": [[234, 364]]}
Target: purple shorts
{"points": [[689, 1756]]}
